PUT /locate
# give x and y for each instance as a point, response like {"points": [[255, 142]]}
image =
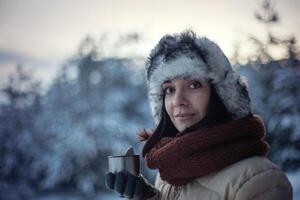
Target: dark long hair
{"points": [[216, 114]]}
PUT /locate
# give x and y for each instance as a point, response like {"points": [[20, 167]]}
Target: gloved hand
{"points": [[130, 186]]}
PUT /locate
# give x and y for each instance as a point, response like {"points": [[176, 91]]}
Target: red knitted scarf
{"points": [[188, 156]]}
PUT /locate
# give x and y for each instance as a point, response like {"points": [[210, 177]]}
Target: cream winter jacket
{"points": [[254, 178]]}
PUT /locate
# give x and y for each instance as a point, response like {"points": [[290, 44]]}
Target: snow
{"points": [[74, 196]]}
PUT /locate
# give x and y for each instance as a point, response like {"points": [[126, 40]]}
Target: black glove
{"points": [[130, 186]]}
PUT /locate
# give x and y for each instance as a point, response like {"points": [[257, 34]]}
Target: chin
{"points": [[182, 128]]}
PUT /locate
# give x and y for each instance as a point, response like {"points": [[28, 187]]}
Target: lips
{"points": [[184, 116]]}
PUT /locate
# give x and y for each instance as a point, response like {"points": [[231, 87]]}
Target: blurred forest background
{"points": [[55, 142]]}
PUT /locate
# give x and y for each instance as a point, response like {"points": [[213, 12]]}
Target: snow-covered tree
{"points": [[275, 88]]}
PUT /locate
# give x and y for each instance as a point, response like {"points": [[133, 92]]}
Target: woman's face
{"points": [[186, 101]]}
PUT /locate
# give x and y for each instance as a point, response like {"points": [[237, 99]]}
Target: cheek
{"points": [[168, 105], [201, 102]]}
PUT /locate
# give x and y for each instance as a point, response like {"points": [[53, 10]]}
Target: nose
{"points": [[180, 99]]}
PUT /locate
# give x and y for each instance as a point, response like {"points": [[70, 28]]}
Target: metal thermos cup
{"points": [[124, 163]]}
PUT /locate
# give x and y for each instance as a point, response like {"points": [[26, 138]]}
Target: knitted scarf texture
{"points": [[187, 156]]}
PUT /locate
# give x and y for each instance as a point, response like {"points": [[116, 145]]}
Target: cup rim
{"points": [[116, 156]]}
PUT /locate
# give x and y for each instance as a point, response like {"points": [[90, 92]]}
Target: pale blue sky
{"points": [[42, 33]]}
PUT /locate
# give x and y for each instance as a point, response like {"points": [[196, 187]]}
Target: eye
{"points": [[168, 90], [195, 84]]}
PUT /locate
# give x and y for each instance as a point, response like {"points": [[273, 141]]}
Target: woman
{"points": [[208, 144]]}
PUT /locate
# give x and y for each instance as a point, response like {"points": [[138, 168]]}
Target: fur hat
{"points": [[187, 55]]}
